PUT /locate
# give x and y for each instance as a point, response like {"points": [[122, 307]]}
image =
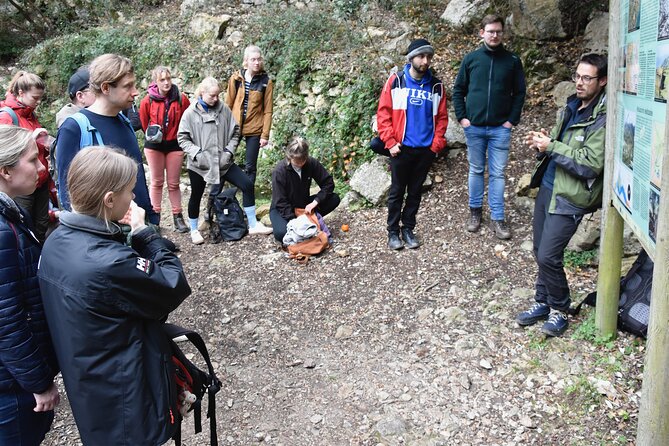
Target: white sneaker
{"points": [[261, 229], [196, 237]]}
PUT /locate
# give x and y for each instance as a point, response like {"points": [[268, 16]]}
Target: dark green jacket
{"points": [[490, 87], [579, 158]]}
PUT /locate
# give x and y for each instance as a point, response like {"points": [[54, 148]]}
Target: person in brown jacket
{"points": [[249, 97]]}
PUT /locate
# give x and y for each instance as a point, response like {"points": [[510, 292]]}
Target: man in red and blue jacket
{"points": [[412, 118]]}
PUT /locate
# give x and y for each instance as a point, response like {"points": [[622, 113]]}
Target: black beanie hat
{"points": [[419, 46]]}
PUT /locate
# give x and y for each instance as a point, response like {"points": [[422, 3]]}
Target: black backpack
{"points": [[225, 216], [634, 302], [188, 377]]}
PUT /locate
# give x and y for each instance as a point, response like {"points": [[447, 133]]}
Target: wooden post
{"points": [[611, 241], [608, 281], [653, 427]]}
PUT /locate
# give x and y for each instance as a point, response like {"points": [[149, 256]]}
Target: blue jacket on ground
{"points": [[115, 132], [27, 359]]}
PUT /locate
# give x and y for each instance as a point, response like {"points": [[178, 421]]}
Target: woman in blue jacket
{"points": [[28, 365], [106, 303]]}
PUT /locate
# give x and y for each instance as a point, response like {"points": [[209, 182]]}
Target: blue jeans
{"points": [[493, 142], [19, 424]]}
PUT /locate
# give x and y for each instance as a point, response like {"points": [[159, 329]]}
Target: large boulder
{"points": [[398, 45], [460, 13], [372, 180], [455, 135], [208, 26], [596, 38], [537, 19], [587, 234], [562, 91]]}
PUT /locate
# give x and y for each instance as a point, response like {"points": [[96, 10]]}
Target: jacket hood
{"points": [[18, 107], [215, 109], [154, 93], [9, 208], [598, 104], [91, 224]]}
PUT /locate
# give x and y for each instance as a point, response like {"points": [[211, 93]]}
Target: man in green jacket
{"points": [[569, 175], [488, 97]]}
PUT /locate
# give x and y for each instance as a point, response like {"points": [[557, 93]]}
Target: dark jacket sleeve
{"points": [[519, 91], [19, 353], [148, 283], [323, 179], [460, 89], [67, 146], [280, 193]]}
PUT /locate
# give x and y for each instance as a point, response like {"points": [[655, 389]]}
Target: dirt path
{"points": [[366, 346]]}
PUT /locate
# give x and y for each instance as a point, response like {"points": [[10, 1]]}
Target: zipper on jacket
{"points": [[487, 110]]}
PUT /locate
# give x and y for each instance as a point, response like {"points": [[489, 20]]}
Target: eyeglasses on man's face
{"points": [[495, 32], [586, 79]]}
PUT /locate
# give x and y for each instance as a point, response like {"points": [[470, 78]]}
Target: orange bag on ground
{"points": [[315, 245]]}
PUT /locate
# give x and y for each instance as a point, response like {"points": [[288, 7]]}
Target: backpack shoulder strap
{"points": [[126, 120], [89, 134], [214, 384], [10, 111]]}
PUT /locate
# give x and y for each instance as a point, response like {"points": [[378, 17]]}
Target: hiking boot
{"points": [[556, 324], [179, 223], [410, 240], [196, 237], [260, 229], [538, 312], [474, 222], [394, 241], [501, 229]]}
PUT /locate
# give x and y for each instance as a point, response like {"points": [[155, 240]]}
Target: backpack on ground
{"points": [[192, 383], [226, 217], [302, 251], [634, 301]]}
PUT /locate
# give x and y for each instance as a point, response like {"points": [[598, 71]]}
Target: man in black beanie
{"points": [[412, 118], [488, 96]]}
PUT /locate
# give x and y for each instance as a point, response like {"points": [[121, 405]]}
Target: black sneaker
{"points": [[410, 239], [474, 222], [556, 324], [394, 241], [501, 229], [538, 312]]}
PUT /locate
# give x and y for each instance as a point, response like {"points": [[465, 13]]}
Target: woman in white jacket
{"points": [[209, 135]]}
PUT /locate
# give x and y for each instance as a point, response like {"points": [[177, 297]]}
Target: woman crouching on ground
{"points": [[28, 364], [291, 182], [106, 303], [209, 135]]}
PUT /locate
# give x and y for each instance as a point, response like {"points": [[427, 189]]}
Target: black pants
{"points": [[552, 233], [37, 206], [408, 172], [279, 223], [252, 150], [234, 175]]}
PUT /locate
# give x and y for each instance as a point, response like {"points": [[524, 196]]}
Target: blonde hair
{"points": [[297, 149], [14, 141], [160, 69], [95, 171], [247, 53], [24, 81], [207, 84], [110, 68]]}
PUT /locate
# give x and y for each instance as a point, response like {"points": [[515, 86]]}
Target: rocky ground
{"points": [[366, 346]]}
